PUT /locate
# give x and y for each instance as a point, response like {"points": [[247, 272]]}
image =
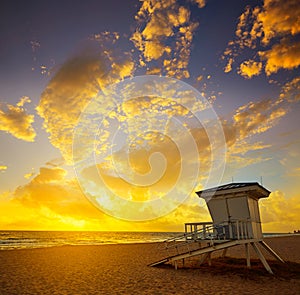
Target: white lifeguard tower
{"points": [[235, 221], [234, 207]]}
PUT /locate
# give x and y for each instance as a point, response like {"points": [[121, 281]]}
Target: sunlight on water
{"points": [[40, 239]]}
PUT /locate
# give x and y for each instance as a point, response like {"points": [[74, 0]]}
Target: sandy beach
{"points": [[122, 269]]}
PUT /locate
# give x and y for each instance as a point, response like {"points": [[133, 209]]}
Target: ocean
{"points": [[38, 239]]}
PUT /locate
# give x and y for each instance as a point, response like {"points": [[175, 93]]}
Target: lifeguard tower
{"points": [[235, 221]]}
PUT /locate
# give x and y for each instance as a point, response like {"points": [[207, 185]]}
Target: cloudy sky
{"points": [[57, 60]]}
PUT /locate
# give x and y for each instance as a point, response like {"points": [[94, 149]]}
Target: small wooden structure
{"points": [[236, 220], [236, 205]]}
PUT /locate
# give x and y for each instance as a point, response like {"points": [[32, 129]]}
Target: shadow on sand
{"points": [[236, 266]]}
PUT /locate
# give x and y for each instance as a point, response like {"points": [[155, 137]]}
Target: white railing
{"points": [[196, 232], [235, 229]]}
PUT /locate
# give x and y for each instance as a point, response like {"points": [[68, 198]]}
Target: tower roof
{"points": [[254, 189]]}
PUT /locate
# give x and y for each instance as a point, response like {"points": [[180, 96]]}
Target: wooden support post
{"points": [[271, 251], [203, 258], [182, 261], [247, 249], [262, 258], [175, 264]]}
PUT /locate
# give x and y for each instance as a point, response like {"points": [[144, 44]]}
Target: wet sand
{"points": [[122, 269]]}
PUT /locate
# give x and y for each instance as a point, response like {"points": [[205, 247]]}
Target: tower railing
{"points": [[197, 232], [235, 229]]}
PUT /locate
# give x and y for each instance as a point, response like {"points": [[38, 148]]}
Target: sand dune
{"points": [[122, 269]]}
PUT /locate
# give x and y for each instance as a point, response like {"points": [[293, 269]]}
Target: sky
{"points": [[85, 147]]}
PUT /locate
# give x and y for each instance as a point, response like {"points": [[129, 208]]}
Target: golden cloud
{"points": [[75, 84], [201, 3], [249, 68], [65, 97], [23, 101], [50, 201], [278, 18], [228, 67], [285, 55], [276, 24], [290, 91], [141, 114], [17, 122], [137, 164], [48, 175], [280, 213], [166, 35], [153, 71], [153, 50], [28, 175], [51, 198], [121, 69], [147, 175], [59, 205], [255, 118]]}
